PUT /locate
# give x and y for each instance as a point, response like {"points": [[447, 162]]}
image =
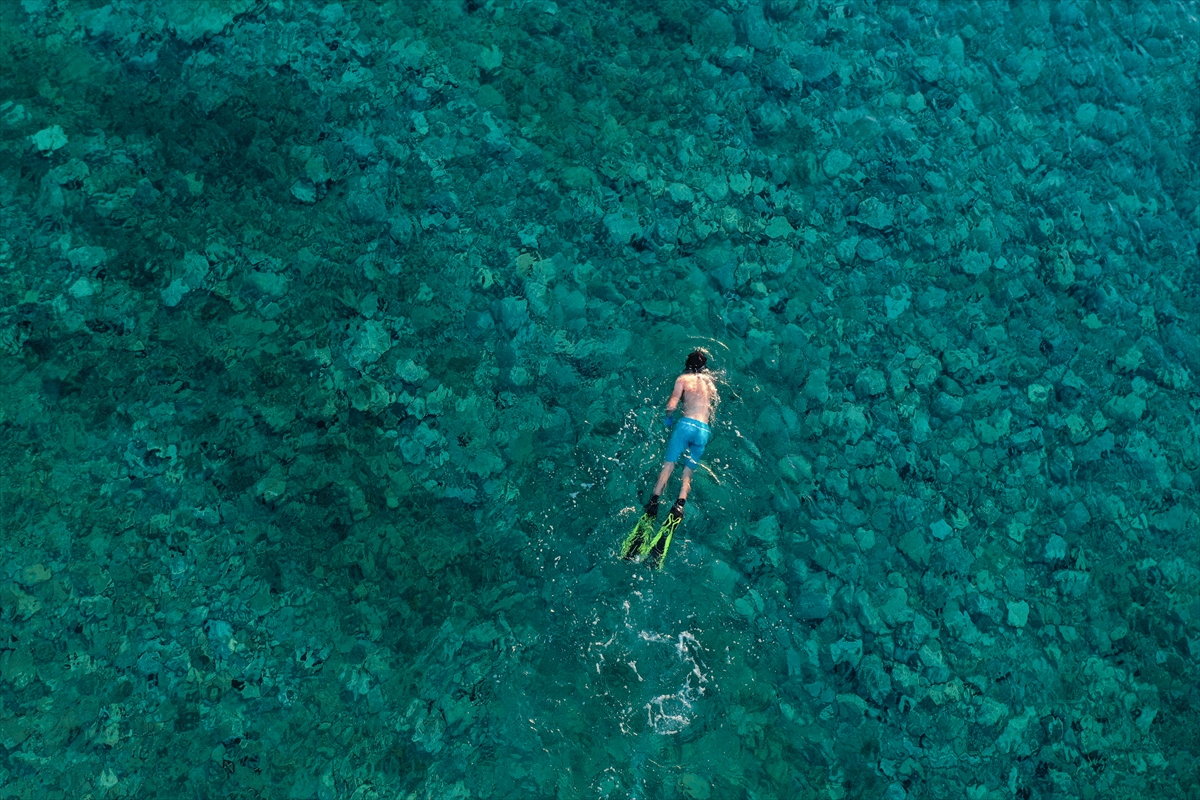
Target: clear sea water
{"points": [[335, 340]]}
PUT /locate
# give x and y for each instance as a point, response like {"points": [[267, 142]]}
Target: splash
{"points": [[668, 714]]}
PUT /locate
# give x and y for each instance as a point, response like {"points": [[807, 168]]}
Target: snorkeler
{"points": [[696, 388]]}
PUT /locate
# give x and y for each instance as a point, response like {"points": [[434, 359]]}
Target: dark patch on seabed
{"points": [[335, 341]]}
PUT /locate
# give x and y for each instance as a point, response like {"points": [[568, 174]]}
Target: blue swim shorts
{"points": [[691, 435]]}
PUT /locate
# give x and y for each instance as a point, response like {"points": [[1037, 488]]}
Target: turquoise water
{"points": [[335, 341]]}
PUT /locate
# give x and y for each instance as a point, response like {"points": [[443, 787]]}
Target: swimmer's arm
{"points": [[676, 395]]}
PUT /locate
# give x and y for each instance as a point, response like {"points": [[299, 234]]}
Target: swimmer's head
{"points": [[697, 361]]}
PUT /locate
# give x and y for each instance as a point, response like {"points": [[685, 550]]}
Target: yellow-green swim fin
{"points": [[662, 542], [637, 540]]}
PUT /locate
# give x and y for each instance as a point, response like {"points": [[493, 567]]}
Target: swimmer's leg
{"points": [[667, 468], [687, 483], [690, 464]]}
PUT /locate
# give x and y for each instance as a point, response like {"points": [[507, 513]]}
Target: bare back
{"points": [[698, 393]]}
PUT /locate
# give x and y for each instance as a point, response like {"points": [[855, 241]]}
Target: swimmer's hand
{"points": [[668, 420]]}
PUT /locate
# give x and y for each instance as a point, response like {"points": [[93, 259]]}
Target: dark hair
{"points": [[697, 361]]}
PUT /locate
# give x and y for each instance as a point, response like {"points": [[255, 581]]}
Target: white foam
{"points": [[669, 714]]}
